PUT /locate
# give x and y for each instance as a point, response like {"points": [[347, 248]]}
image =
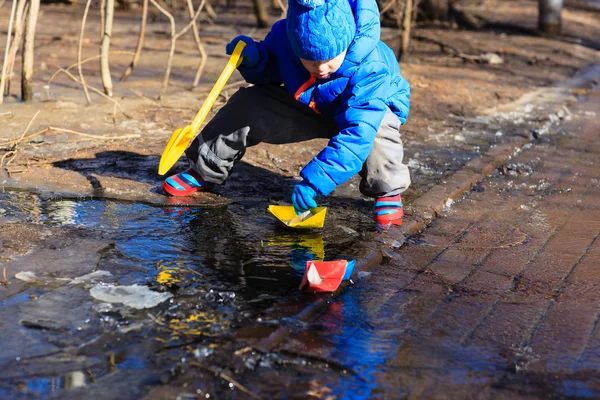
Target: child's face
{"points": [[323, 69]]}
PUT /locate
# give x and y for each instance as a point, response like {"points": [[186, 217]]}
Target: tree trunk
{"points": [[79, 49], [28, 51], [406, 25], [549, 20], [262, 18], [104, 62]]}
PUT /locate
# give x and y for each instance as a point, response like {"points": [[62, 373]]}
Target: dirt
{"points": [[447, 94]]}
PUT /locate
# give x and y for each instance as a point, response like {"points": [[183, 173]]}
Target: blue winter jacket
{"points": [[356, 96]]}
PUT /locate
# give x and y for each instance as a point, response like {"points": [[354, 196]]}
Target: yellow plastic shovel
{"points": [[181, 138]]}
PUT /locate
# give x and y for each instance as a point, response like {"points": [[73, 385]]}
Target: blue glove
{"points": [[250, 52], [303, 197]]}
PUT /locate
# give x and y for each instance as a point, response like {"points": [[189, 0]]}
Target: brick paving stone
{"points": [[589, 359], [556, 345], [588, 269], [525, 305], [500, 297]]}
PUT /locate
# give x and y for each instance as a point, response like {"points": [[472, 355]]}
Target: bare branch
{"points": [[283, 8], [22, 9], [203, 56], [70, 75], [5, 63], [85, 90], [171, 49], [59, 70], [174, 37], [140, 43], [406, 25], [104, 62], [226, 377], [28, 51]]}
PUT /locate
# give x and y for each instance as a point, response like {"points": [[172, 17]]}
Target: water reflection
{"points": [[222, 265]]}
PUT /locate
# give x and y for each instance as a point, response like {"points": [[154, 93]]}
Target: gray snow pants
{"points": [[270, 114]]}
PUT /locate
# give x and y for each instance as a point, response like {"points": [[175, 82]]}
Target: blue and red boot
{"points": [[388, 210], [186, 183]]}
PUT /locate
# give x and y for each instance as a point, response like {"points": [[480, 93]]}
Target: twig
{"points": [[13, 150], [203, 56], [171, 48], [140, 94], [387, 7], [98, 137], [453, 49], [193, 272], [85, 90], [283, 8], [140, 43], [243, 351], [10, 153], [174, 37], [5, 280], [6, 50], [443, 45], [59, 70], [70, 75], [211, 13], [225, 377], [53, 128], [156, 320], [29, 124], [22, 139]]}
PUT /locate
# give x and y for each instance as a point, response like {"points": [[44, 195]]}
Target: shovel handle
{"points": [[234, 61]]}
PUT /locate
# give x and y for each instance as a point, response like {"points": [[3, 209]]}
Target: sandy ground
{"points": [[448, 92]]}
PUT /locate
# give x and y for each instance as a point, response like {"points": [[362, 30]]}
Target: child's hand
{"points": [[303, 197], [250, 52]]}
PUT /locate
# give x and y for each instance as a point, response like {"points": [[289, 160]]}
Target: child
{"points": [[339, 82]]}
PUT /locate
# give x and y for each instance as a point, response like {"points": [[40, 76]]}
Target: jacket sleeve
{"points": [[266, 72], [358, 120]]}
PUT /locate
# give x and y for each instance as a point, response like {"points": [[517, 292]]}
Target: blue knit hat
{"points": [[320, 29]]}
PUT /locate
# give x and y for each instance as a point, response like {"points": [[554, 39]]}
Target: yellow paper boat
{"points": [[285, 215], [182, 138]]}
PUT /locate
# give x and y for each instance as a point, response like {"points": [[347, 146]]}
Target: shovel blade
{"points": [[178, 142]]}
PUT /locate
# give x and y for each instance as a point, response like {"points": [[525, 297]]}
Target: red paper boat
{"points": [[325, 276]]}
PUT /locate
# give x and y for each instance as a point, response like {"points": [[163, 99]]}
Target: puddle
{"points": [[220, 267], [18, 298]]}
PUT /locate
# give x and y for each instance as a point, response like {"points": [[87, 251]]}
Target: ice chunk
{"points": [[96, 276], [27, 276], [134, 296]]}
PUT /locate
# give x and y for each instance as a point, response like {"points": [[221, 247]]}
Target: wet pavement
{"points": [[100, 290], [498, 298]]}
